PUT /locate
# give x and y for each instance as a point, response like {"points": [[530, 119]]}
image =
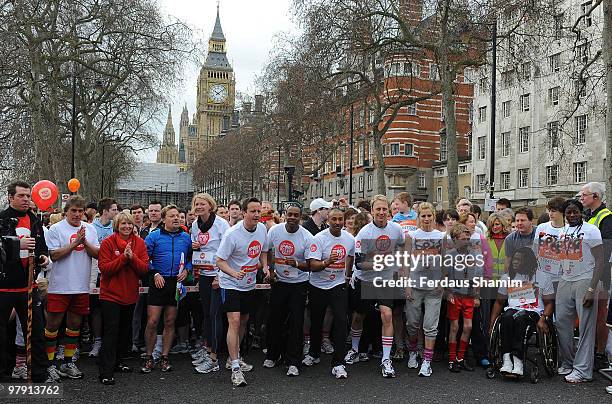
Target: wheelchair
{"points": [[545, 345]]}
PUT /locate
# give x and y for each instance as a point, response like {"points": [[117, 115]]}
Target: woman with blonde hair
{"points": [[206, 234]]}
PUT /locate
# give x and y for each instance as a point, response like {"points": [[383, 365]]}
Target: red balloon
{"points": [[44, 194]]}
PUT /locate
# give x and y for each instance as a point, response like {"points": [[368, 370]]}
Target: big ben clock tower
{"points": [[216, 90]]}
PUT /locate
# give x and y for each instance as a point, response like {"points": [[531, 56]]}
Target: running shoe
{"points": [[387, 368], [179, 349], [245, 367], [413, 363], [425, 369], [269, 364], [339, 372], [454, 367], [20, 372], [52, 371], [238, 378], [208, 366], [563, 371], [463, 365], [306, 348], [575, 378], [310, 360], [59, 355], [351, 357], [165, 364], [327, 347], [293, 371], [70, 370], [148, 365], [363, 357], [95, 349]]}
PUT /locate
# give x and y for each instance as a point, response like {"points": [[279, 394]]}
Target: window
{"points": [[329, 188], [395, 149], [505, 144], [526, 71], [581, 128], [558, 26], [371, 117], [439, 172], [552, 175], [470, 113], [470, 144], [467, 192], [483, 85], [342, 155], [337, 187], [580, 172], [553, 134], [506, 78], [421, 180], [506, 109], [438, 194], [482, 144], [361, 152], [482, 114], [408, 149], [433, 72], [443, 151], [553, 95], [462, 169], [504, 180], [580, 89], [371, 151], [361, 184], [523, 178], [369, 182], [582, 52], [524, 139], [480, 183], [524, 102], [554, 62], [588, 19], [334, 160], [361, 118], [412, 109], [412, 68]]}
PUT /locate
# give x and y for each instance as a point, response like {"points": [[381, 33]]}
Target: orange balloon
{"points": [[74, 185]]}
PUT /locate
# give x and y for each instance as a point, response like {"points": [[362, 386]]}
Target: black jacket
{"points": [[15, 274], [312, 227]]}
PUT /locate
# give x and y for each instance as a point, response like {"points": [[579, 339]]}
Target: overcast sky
{"points": [[249, 27]]}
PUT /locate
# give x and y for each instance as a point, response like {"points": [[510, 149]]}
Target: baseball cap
{"points": [[319, 203]]}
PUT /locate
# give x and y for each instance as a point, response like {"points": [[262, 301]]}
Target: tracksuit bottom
{"points": [[337, 299]]}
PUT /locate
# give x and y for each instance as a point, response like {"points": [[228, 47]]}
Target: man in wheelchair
{"points": [[530, 300]]}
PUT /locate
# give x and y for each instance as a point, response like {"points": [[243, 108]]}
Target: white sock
{"points": [[355, 337], [387, 343], [158, 343]]}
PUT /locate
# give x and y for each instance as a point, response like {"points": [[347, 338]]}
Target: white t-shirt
{"points": [[289, 245], [547, 248], [241, 249], [373, 240], [426, 251], [71, 274], [528, 296], [578, 261], [321, 248], [206, 257]]}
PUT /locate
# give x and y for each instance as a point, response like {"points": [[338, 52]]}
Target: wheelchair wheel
{"points": [[549, 349], [495, 348]]}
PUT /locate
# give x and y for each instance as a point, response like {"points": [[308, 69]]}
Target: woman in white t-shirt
{"points": [[530, 302]]}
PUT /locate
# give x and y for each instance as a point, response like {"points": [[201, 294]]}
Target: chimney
{"points": [[259, 103], [411, 11]]}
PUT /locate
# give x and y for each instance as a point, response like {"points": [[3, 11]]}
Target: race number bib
{"points": [[523, 296], [201, 258]]}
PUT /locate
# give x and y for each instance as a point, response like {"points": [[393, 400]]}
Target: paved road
{"points": [[316, 385]]}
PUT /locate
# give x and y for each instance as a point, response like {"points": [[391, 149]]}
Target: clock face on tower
{"points": [[217, 93]]}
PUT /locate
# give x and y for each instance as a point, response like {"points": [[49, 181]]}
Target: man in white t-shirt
{"points": [[378, 238], [547, 244], [288, 243], [72, 245], [239, 257], [331, 258], [582, 266]]}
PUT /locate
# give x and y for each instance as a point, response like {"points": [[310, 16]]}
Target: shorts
{"points": [[392, 303], [463, 305], [363, 306], [165, 296], [233, 301], [75, 303]]}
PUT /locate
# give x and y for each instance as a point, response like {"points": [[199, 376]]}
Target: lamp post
{"points": [[352, 145], [289, 170], [278, 173], [493, 102]]}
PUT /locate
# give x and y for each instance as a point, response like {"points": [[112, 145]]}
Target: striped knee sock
{"points": [[462, 348], [20, 357], [387, 343], [428, 354], [50, 343], [70, 343], [355, 337]]}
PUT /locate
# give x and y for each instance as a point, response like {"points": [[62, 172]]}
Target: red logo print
{"points": [[313, 247], [340, 250], [202, 256], [286, 248], [254, 249], [80, 247], [203, 238], [358, 244], [383, 243]]}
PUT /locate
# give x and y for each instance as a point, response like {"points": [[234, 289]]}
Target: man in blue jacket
{"points": [[170, 252]]}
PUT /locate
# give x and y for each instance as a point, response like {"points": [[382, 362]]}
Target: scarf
{"points": [[205, 226]]}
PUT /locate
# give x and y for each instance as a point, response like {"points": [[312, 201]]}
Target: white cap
{"points": [[319, 203]]}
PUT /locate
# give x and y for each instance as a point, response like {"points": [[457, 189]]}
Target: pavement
{"points": [[317, 385]]}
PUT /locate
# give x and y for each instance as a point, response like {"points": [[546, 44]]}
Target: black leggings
{"points": [[513, 326]]}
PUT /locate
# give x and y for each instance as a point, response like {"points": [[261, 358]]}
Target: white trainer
{"points": [[507, 365], [293, 371], [309, 360], [339, 372], [425, 369], [269, 364], [518, 367], [413, 363]]}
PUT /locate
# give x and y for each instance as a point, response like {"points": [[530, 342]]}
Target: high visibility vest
{"points": [[596, 220], [499, 257]]}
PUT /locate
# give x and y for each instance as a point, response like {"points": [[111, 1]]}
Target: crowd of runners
{"points": [[214, 281]]}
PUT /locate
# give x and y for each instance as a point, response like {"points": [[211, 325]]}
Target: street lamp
{"points": [[289, 170]]}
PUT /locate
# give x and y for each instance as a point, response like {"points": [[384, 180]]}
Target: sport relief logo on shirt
{"points": [[80, 247], [341, 253], [286, 248], [313, 248], [254, 249], [383, 243], [549, 246], [203, 238]]}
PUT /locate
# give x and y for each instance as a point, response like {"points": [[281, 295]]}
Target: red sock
{"points": [[462, 348], [452, 351]]}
